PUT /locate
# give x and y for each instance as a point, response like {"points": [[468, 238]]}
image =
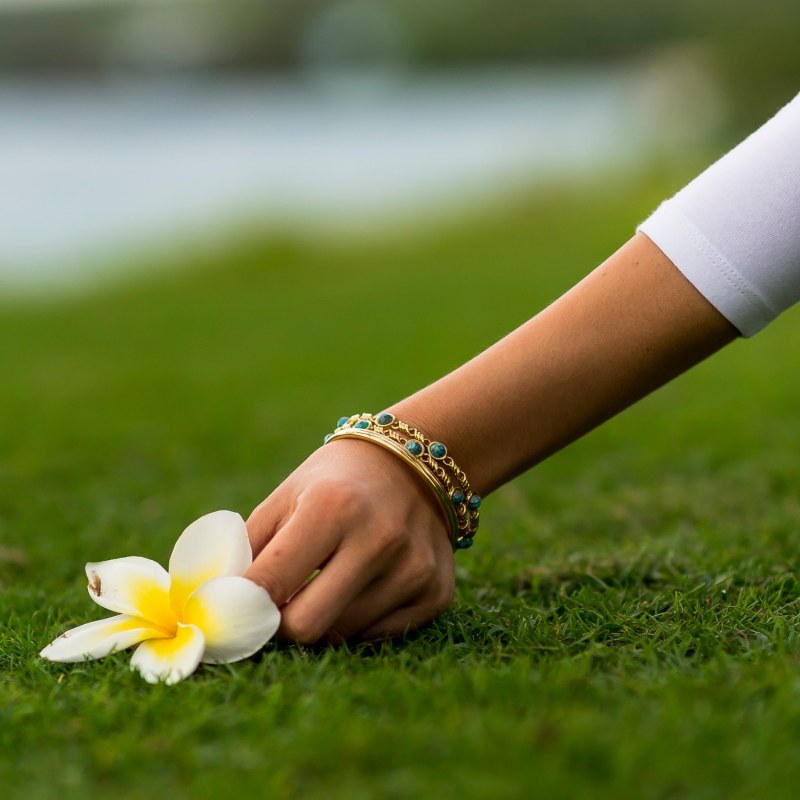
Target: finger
{"points": [[354, 623], [425, 578], [377, 600], [402, 621], [301, 545], [268, 517], [315, 608]]}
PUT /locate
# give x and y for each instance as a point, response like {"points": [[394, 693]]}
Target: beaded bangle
{"points": [[430, 460]]}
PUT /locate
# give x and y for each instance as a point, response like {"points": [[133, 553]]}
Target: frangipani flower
{"points": [[201, 610]]}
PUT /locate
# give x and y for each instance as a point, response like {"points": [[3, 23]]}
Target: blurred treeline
{"points": [[752, 47]]}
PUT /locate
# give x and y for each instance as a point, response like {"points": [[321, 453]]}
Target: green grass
{"points": [[626, 627]]}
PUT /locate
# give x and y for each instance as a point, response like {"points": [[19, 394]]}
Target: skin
{"points": [[365, 520]]}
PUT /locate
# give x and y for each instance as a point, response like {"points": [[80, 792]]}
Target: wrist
{"points": [[429, 458], [443, 423]]}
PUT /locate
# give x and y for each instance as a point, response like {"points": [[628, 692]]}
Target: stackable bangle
{"points": [[429, 459]]}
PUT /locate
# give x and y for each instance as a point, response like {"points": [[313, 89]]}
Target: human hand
{"points": [[360, 516]]}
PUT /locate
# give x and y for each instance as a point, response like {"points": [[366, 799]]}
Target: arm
{"points": [[635, 322], [627, 328], [363, 517]]}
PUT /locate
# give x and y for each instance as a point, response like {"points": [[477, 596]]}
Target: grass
{"points": [[626, 628]]}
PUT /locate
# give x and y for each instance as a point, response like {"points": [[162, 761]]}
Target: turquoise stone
{"points": [[342, 421], [474, 502], [362, 423], [458, 497], [327, 438], [385, 419], [438, 450], [415, 448], [465, 544]]}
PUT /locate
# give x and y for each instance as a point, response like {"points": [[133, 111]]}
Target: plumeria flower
{"points": [[201, 610]]}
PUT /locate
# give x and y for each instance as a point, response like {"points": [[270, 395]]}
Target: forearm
{"points": [[630, 326]]}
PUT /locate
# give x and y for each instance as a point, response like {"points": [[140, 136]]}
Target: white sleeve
{"points": [[734, 231]]}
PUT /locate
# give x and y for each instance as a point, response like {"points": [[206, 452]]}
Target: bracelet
{"points": [[430, 460]]}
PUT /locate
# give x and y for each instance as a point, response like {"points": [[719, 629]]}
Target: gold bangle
{"points": [[430, 460]]}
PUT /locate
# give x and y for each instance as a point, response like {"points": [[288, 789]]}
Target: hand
{"points": [[375, 532]]}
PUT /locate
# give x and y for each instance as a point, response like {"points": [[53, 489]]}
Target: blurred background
{"points": [[131, 128], [226, 223]]}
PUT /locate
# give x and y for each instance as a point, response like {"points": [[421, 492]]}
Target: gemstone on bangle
{"points": [[385, 419], [458, 497], [437, 450], [464, 544], [414, 447], [362, 423], [474, 502], [327, 438], [342, 421]]}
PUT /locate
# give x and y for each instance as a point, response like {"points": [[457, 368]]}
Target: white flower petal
{"points": [[135, 586], [237, 618], [99, 638], [170, 660], [214, 545]]}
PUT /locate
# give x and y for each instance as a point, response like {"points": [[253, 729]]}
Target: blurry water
{"points": [[89, 171]]}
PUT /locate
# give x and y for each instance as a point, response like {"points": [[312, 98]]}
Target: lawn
{"points": [[626, 627]]}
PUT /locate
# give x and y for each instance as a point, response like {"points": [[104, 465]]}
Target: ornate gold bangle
{"points": [[430, 460]]}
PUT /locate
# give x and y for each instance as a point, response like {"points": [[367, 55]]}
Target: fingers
{"points": [[374, 603], [305, 542], [315, 608], [403, 620], [268, 517], [321, 517], [421, 584]]}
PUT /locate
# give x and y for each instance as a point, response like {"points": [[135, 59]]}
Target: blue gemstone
{"points": [[342, 421], [474, 502], [362, 423], [458, 497], [327, 438], [385, 419], [465, 544], [415, 448], [438, 450]]}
